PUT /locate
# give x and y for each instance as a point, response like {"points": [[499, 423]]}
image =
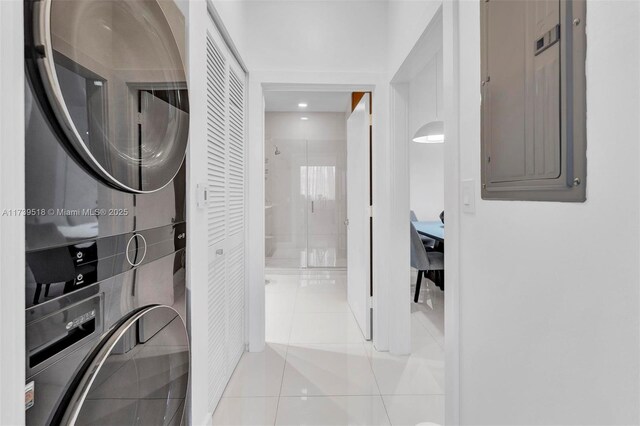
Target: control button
{"points": [[136, 249]]}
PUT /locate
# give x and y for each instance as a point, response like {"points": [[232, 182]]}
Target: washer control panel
{"points": [[60, 270]]}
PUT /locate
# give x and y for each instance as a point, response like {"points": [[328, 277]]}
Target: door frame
{"points": [[447, 14], [378, 84], [12, 228], [452, 182]]}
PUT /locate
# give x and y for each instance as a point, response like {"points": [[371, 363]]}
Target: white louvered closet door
{"points": [[235, 211], [226, 189]]}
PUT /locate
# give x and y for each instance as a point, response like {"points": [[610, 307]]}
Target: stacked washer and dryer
{"points": [[106, 136]]}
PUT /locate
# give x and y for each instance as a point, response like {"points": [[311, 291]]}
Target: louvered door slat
{"points": [[235, 294], [217, 333], [235, 208], [236, 154], [216, 222], [216, 143]]}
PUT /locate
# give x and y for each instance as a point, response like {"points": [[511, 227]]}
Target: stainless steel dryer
{"points": [[106, 136]]}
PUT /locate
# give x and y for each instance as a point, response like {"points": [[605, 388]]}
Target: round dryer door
{"points": [[114, 77], [139, 376]]}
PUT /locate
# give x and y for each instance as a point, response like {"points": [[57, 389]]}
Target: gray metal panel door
{"points": [[533, 99], [523, 91]]}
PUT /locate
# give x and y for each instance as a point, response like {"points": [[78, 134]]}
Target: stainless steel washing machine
{"points": [[106, 136]]}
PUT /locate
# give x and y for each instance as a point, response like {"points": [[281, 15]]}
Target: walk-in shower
{"points": [[306, 179], [305, 209]]}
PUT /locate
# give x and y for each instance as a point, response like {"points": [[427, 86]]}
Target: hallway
{"points": [[317, 369]]}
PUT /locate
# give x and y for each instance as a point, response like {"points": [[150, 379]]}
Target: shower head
{"points": [[277, 152]]}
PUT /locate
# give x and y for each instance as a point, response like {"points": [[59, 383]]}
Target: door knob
{"points": [[346, 222]]}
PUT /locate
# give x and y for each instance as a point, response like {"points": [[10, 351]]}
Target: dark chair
{"points": [[429, 243], [423, 260]]}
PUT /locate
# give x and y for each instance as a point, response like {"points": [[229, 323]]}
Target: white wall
{"points": [[426, 161], [406, 20], [549, 292], [319, 126], [312, 35], [11, 227]]}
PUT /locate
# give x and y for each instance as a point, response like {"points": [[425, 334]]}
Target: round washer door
{"points": [[114, 77], [138, 377]]}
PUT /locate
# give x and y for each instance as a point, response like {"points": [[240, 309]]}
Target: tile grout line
{"points": [[386, 410], [347, 395], [375, 378], [413, 394], [286, 354]]}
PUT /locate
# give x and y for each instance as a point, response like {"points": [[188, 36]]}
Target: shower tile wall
{"points": [[310, 167]]}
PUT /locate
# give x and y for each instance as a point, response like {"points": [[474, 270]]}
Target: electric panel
{"points": [[533, 100]]}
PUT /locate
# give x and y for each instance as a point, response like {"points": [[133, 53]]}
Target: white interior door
{"points": [[358, 214], [225, 213]]}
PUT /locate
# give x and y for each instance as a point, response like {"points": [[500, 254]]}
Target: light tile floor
{"points": [[318, 370], [289, 258]]}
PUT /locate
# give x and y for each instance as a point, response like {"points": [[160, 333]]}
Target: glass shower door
{"points": [[326, 203], [285, 204], [305, 204]]}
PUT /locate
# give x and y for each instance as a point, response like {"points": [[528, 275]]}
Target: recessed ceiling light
{"points": [[302, 105], [304, 118]]}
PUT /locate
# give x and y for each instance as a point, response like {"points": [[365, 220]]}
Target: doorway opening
{"points": [[306, 179], [426, 191], [318, 216]]}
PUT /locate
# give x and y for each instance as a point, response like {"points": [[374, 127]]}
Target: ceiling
{"points": [[316, 101]]}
